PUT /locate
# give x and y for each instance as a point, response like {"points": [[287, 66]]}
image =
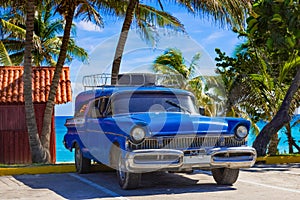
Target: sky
{"points": [[201, 36]]}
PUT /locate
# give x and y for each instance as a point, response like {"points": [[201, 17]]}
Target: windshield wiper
{"points": [[178, 106]]}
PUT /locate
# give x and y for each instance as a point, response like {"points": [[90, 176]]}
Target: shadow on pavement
{"points": [[158, 183]]}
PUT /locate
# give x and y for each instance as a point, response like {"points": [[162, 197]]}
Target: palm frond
{"points": [[147, 32], [4, 56], [194, 64], [158, 18], [17, 58], [232, 12], [54, 28], [88, 13], [13, 30], [157, 67], [287, 67], [12, 45], [77, 52]]}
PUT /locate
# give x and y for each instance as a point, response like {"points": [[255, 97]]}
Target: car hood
{"points": [[173, 123]]}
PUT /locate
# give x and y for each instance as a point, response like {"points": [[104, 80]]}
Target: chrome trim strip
{"points": [[171, 159]]}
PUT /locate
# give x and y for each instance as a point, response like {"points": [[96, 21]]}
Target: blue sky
{"points": [[202, 36]]}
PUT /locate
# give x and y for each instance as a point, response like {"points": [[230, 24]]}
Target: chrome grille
{"points": [[186, 142]]}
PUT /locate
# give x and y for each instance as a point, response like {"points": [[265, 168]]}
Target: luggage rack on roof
{"points": [[133, 79]]}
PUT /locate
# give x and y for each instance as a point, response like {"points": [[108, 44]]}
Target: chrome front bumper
{"points": [[169, 159]]}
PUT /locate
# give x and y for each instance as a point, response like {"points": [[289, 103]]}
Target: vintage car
{"points": [[139, 126]]}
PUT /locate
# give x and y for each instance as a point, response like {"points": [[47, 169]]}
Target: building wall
{"points": [[14, 144]]}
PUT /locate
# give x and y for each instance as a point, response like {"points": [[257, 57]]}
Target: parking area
{"points": [[259, 182]]}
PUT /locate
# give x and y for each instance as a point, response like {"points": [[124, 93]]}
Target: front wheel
{"points": [[127, 180], [225, 176], [82, 164]]}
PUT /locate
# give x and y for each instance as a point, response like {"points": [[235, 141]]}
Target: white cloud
{"points": [[88, 26], [213, 37]]}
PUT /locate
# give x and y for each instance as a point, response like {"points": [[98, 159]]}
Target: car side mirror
{"points": [[202, 111]]}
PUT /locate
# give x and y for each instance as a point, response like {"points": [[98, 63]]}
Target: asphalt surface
{"points": [[259, 182]]}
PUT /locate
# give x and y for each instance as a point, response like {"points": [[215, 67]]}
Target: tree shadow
{"points": [[98, 184]]}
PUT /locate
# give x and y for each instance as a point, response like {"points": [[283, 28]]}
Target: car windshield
{"points": [[153, 102]]}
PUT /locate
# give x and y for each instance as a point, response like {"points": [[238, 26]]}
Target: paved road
{"points": [[259, 182]]}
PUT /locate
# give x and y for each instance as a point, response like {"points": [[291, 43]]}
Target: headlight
{"points": [[138, 134], [241, 132]]}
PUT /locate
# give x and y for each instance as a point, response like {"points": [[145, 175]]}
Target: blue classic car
{"points": [[139, 126]]}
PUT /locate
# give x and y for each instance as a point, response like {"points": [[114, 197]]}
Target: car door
{"points": [[98, 143]]}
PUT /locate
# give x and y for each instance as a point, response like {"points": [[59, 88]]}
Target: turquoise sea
{"points": [[64, 155]]}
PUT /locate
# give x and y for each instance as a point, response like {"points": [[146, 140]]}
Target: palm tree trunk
{"points": [[289, 136], [281, 118], [45, 136], [291, 140], [122, 40], [37, 153], [272, 149]]}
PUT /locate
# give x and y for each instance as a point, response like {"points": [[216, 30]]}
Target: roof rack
{"points": [[133, 79]]}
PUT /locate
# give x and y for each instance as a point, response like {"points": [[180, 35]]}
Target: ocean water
{"points": [[64, 155]]}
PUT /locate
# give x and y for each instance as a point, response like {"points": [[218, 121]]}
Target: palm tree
{"points": [[38, 153], [46, 39], [173, 62], [147, 18], [40, 147], [258, 90], [231, 12], [67, 8], [275, 31]]}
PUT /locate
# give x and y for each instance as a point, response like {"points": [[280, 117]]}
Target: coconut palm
{"points": [[147, 19], [231, 12], [173, 62], [84, 9], [46, 40], [38, 153], [68, 9], [274, 29]]}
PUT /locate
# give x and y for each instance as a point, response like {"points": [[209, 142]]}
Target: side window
{"points": [[81, 111], [109, 108], [98, 107], [103, 105], [94, 109]]}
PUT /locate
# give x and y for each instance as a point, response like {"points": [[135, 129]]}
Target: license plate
{"points": [[196, 159]]}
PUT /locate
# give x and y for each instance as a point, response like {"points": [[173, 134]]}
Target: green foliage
{"points": [[149, 19], [257, 78], [274, 26], [173, 62], [4, 56], [47, 40]]}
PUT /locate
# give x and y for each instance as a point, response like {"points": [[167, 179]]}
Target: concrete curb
{"points": [[46, 169], [59, 168], [70, 168], [278, 159]]}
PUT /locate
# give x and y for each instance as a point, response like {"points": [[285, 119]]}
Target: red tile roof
{"points": [[11, 85]]}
